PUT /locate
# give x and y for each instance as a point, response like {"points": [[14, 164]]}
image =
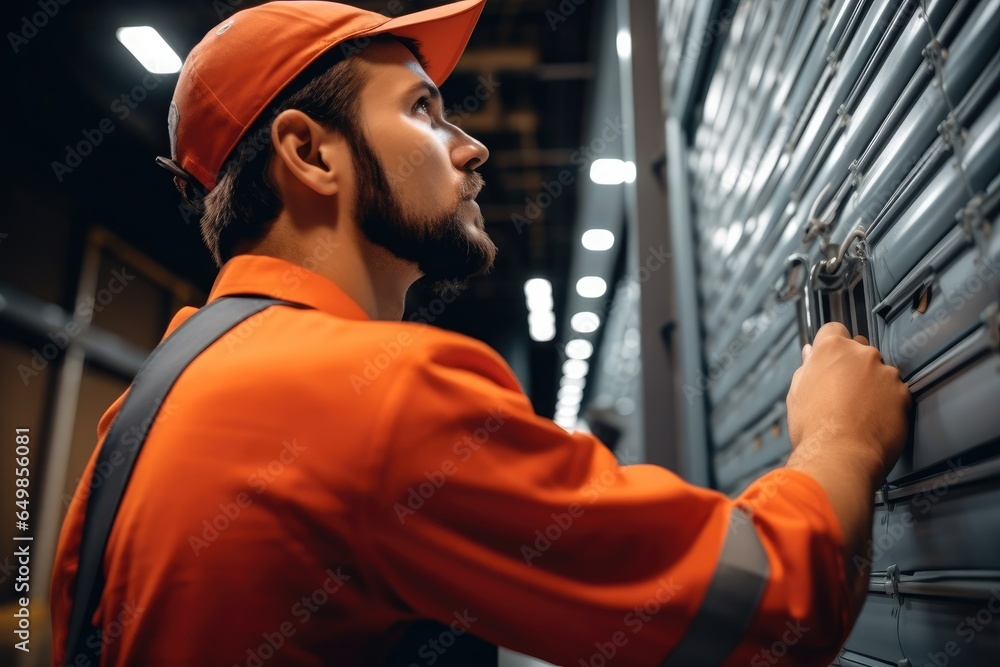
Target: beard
{"points": [[446, 248]]}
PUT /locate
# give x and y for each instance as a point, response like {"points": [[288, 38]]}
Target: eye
{"points": [[423, 105]]}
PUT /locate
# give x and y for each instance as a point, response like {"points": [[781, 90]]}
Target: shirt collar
{"points": [[277, 278]]}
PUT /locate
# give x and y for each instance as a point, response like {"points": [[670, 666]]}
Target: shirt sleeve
{"points": [[486, 511]]}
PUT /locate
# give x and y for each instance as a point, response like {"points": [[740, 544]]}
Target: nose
{"points": [[467, 153]]}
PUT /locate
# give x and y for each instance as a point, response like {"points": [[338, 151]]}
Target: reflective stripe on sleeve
{"points": [[731, 600]]}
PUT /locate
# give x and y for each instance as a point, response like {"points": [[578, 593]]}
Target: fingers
{"points": [[831, 329], [807, 350], [862, 340]]}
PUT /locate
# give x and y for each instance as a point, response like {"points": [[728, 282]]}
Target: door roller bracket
{"points": [[837, 288], [891, 583]]}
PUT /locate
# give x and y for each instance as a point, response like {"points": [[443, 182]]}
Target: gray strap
{"points": [[118, 454], [731, 600]]}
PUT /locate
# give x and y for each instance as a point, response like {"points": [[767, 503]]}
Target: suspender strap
{"points": [[731, 600], [118, 452]]}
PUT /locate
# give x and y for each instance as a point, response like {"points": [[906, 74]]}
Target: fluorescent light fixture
{"points": [[540, 302], [537, 287], [575, 368], [598, 239], [578, 348], [612, 171], [542, 334], [585, 322], [151, 50], [567, 411], [566, 423], [591, 287], [572, 382], [623, 41], [541, 319], [570, 394]]}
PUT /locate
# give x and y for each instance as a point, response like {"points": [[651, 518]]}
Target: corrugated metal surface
{"points": [[840, 161]]}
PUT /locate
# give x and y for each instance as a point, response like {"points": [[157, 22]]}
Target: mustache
{"points": [[471, 186]]}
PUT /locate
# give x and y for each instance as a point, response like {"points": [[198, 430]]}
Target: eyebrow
{"points": [[432, 90]]}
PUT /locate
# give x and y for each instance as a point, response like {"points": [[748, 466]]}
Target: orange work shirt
{"points": [[327, 477]]}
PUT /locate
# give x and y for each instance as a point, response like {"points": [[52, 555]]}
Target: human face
{"points": [[415, 184]]}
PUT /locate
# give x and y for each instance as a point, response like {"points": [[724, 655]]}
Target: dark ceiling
{"points": [[71, 74]]}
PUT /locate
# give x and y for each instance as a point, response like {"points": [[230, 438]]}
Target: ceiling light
{"points": [[537, 287], [542, 334], [575, 368], [585, 322], [623, 42], [540, 302], [569, 394], [149, 49], [598, 239], [591, 287], [541, 319], [567, 411], [579, 348], [612, 171], [566, 423]]}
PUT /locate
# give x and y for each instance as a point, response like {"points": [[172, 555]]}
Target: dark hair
{"points": [[244, 202]]}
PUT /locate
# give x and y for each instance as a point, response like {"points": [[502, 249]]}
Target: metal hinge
{"points": [[891, 583], [884, 490]]}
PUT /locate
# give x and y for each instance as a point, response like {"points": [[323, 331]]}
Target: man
{"points": [[325, 478]]}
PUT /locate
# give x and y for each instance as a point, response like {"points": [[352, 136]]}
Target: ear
{"points": [[308, 150]]}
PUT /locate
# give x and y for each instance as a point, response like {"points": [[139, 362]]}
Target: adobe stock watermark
{"points": [[725, 360], [435, 648], [301, 611], [967, 630], [611, 131], [765, 487], [655, 259], [919, 505], [229, 512], [393, 349], [562, 522], [770, 153], [986, 271], [634, 620], [33, 23], [106, 636], [121, 107], [84, 311], [562, 13], [462, 450], [694, 47], [293, 277], [409, 163], [771, 655], [132, 439]]}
